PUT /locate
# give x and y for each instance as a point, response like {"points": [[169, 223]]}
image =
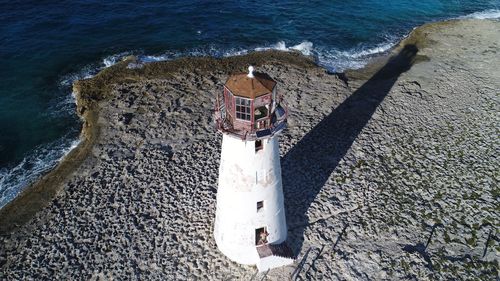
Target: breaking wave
{"points": [[40, 161], [331, 58], [483, 15], [355, 58]]}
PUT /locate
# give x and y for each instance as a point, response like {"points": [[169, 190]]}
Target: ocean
{"points": [[46, 45]]}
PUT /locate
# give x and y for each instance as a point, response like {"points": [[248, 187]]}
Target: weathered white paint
{"points": [[245, 178]]}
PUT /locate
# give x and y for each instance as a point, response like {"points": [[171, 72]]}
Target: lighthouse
{"points": [[250, 224]]}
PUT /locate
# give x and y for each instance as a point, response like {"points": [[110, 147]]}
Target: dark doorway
{"points": [[258, 145], [261, 236]]}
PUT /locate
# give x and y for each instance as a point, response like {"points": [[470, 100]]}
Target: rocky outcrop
{"points": [[389, 172]]}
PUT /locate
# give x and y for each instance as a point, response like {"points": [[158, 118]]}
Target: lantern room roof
{"points": [[250, 87]]}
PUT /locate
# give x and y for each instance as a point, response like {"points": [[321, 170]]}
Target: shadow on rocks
{"points": [[308, 165]]}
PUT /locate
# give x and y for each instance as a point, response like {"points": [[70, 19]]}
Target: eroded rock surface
{"points": [[387, 178]]}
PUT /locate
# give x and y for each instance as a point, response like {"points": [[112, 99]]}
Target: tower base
{"points": [[250, 209]]}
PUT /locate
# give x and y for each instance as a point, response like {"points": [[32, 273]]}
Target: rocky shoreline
{"points": [[389, 172]]}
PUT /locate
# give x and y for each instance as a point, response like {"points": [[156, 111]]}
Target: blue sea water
{"points": [[46, 45]]}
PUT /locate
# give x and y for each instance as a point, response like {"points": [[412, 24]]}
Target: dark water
{"points": [[45, 45]]}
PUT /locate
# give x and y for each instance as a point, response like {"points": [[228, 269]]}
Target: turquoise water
{"points": [[45, 45]]}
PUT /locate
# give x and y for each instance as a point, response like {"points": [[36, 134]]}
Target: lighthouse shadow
{"points": [[308, 165]]}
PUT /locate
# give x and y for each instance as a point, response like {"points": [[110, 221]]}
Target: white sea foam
{"points": [[39, 161], [214, 51], [381, 48], [44, 158], [162, 57], [354, 58], [488, 14], [235, 52], [332, 59], [63, 106], [90, 70], [306, 47], [66, 104], [113, 59], [87, 71]]}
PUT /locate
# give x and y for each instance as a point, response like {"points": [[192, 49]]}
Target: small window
{"points": [[260, 205], [243, 109], [258, 145]]}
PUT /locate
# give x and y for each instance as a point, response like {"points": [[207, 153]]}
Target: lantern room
{"points": [[249, 106]]}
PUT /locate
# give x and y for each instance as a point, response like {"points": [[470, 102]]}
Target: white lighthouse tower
{"points": [[250, 225]]}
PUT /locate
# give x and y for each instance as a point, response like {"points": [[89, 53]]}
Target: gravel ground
{"points": [[390, 177]]}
